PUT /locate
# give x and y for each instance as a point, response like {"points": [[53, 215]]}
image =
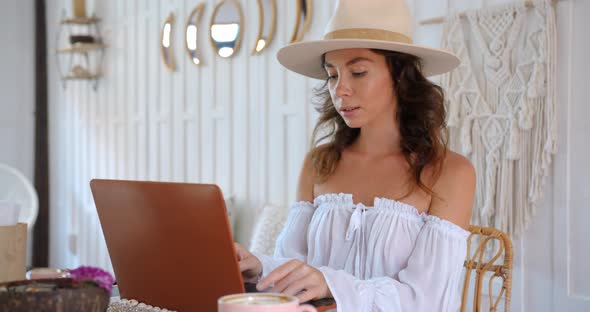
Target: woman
{"points": [[379, 222]]}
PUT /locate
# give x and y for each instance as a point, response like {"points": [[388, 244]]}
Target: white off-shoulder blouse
{"points": [[387, 257]]}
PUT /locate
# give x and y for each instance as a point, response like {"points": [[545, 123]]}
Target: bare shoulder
{"points": [[306, 180], [454, 190], [455, 163]]}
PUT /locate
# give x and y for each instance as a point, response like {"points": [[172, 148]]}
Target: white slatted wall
{"points": [[242, 123]]}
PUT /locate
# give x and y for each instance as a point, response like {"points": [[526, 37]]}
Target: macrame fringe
{"points": [[508, 126]]}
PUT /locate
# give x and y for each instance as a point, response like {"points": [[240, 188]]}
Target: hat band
{"points": [[368, 33]]}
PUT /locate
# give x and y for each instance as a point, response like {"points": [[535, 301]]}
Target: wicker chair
{"points": [[475, 262]]}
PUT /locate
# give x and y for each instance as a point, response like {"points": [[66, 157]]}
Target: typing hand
{"points": [[297, 279], [250, 266]]}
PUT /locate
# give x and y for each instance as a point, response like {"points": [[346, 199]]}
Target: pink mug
{"points": [[261, 302]]}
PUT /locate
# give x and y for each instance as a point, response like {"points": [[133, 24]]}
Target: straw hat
{"points": [[373, 24]]}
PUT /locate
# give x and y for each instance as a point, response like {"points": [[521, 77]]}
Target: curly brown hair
{"points": [[420, 115]]}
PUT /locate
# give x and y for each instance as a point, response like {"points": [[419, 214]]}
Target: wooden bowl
{"points": [[57, 294]]}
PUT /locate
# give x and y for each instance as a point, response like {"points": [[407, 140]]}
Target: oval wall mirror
{"points": [[166, 43], [191, 33], [266, 24], [225, 30], [302, 20]]}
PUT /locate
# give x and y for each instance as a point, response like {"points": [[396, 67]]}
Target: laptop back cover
{"points": [[170, 243]]}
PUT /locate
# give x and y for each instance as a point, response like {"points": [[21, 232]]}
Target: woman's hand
{"points": [[250, 266], [297, 279]]}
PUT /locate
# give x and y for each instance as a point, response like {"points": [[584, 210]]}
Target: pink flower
{"points": [[92, 274]]}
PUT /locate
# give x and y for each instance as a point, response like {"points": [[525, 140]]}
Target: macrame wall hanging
{"points": [[501, 105]]}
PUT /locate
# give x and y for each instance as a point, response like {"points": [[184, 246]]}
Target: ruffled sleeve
{"points": [[430, 281], [292, 242]]}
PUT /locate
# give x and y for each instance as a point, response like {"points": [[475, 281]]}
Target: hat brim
{"points": [[305, 57]]}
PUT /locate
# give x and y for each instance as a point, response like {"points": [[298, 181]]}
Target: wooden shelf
{"points": [[89, 77], [82, 48], [88, 49], [80, 20]]}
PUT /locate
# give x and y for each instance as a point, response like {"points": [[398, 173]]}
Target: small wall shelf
{"points": [[82, 48], [80, 21], [81, 77], [80, 51]]}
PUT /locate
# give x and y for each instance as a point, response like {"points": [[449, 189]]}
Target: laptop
{"points": [[170, 243]]}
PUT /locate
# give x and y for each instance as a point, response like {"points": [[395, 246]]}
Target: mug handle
{"points": [[306, 308]]}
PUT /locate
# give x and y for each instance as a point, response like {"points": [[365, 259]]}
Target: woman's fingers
{"points": [[250, 269], [241, 252], [246, 264], [297, 274], [278, 274], [297, 279], [308, 294], [250, 266], [296, 286]]}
